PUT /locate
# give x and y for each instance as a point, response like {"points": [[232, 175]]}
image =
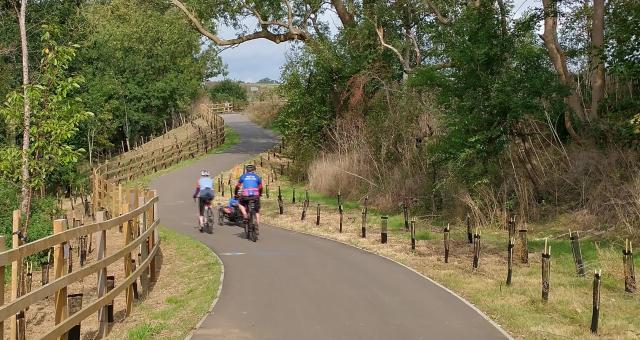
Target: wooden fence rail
{"points": [[133, 211]]}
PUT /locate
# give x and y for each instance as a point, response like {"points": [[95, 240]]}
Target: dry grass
{"points": [[519, 307], [264, 113]]}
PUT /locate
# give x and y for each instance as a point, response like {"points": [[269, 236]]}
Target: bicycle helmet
{"points": [[204, 173], [250, 168]]}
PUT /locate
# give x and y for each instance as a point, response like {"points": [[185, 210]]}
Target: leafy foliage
{"points": [[227, 91]]}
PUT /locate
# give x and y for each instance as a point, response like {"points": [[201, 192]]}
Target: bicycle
{"points": [[251, 229]]}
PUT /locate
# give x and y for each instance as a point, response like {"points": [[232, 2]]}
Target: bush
{"points": [[43, 211], [228, 91]]}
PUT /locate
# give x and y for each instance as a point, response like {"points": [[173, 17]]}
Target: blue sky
{"points": [[257, 59]]}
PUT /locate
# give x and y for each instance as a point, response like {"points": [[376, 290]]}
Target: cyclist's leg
{"points": [[243, 208], [201, 207], [257, 210]]}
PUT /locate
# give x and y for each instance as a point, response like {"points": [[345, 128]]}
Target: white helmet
{"points": [[204, 173]]}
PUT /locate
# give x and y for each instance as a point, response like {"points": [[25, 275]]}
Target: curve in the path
{"points": [[295, 286]]}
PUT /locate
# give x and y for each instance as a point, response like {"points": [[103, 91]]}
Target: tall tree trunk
{"points": [[597, 66], [25, 192], [550, 39]]}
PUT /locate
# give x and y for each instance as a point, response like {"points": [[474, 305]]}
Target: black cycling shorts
{"points": [[244, 201], [201, 203]]}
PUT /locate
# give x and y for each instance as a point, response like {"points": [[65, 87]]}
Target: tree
{"points": [[25, 188], [227, 90]]}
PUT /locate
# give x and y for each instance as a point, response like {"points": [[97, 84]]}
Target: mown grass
{"points": [[518, 308], [188, 283]]}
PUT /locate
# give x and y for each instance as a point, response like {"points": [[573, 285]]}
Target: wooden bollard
{"points": [[629, 270], [446, 243], [469, 232], [577, 253], [75, 305], [546, 271], [522, 247], [111, 282], [476, 249], [510, 260], [413, 234], [405, 213], [595, 315], [280, 203], [293, 196], [383, 229], [318, 215]]}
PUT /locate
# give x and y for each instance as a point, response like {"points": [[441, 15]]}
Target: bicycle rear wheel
{"points": [[208, 220]]}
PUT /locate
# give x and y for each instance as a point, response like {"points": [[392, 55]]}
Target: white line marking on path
{"points": [[231, 254]]}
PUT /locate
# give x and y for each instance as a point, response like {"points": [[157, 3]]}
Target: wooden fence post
{"points": [[3, 247], [61, 311], [127, 229], [293, 196], [304, 211], [364, 218], [629, 270], [153, 238], [102, 274], [510, 260], [577, 253], [318, 215], [595, 315], [110, 283], [383, 229], [16, 273], [546, 271], [446, 243]]}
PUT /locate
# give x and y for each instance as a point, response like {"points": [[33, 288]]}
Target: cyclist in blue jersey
{"points": [[204, 193], [249, 187]]}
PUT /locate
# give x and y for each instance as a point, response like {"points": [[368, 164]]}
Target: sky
{"points": [[258, 59]]}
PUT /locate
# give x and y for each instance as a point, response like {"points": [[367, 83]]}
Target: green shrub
{"points": [[228, 91]]}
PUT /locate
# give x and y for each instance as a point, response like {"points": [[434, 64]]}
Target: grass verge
{"points": [[187, 284], [519, 307]]}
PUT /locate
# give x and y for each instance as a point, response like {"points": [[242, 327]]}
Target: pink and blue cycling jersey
{"points": [[251, 184]]}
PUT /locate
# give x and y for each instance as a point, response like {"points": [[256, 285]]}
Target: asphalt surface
{"points": [[294, 286]]}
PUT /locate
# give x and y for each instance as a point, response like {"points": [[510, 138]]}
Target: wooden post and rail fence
{"points": [[134, 211]]}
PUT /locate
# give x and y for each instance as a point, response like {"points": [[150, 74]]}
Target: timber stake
{"points": [[595, 315]]}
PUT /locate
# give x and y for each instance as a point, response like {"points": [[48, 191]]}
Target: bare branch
{"points": [[404, 63], [345, 16], [413, 39], [439, 17], [294, 33]]}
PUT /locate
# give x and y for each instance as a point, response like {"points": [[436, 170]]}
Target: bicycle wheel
{"points": [[252, 226], [208, 220]]}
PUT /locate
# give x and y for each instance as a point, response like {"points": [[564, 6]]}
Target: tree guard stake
{"points": [[577, 253], [510, 260], [413, 234], [405, 212], [340, 211], [280, 203], [523, 246], [293, 196], [318, 215], [595, 316], [446, 243], [476, 249], [364, 218], [629, 274], [469, 233], [546, 270], [511, 225], [383, 229]]}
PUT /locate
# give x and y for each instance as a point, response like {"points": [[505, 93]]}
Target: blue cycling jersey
{"points": [[251, 184]]}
